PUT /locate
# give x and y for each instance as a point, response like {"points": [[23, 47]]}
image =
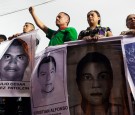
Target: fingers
{"points": [[13, 36], [94, 38], [31, 9], [87, 38], [123, 33]]}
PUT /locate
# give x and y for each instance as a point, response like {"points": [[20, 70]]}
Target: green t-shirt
{"points": [[59, 37]]}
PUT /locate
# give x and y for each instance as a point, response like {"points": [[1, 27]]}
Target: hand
{"points": [[13, 36], [130, 32], [97, 37], [31, 9], [87, 38], [124, 33]]}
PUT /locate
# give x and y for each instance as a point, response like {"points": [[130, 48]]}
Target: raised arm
{"points": [[38, 22]]}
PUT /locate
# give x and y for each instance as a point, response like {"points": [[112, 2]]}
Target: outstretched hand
{"points": [[13, 36]]}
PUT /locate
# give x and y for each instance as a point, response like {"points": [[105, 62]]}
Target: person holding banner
{"points": [[28, 27], [2, 38], [95, 81], [14, 62], [130, 23], [94, 31], [63, 34]]}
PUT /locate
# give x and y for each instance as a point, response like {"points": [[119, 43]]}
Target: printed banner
{"points": [[49, 83], [128, 46], [16, 65], [96, 80]]}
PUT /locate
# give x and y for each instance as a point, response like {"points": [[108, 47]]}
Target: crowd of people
{"points": [[57, 37]]}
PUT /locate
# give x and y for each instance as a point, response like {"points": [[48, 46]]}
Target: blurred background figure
{"points": [[130, 23], [2, 38]]}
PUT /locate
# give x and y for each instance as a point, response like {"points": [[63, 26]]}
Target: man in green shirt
{"points": [[63, 34]]}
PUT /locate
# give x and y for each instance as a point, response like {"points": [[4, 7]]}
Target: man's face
{"points": [[95, 83], [27, 28], [47, 77], [13, 64], [61, 19], [131, 21]]}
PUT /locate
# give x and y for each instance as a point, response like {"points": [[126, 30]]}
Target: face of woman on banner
{"points": [[95, 83], [47, 77]]}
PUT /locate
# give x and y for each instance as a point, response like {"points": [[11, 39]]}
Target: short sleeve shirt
{"points": [[61, 36], [97, 31]]}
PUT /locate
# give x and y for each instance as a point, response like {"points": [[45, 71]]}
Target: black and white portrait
{"points": [[14, 61]]}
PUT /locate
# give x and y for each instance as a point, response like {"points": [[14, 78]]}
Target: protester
{"points": [[130, 23], [95, 31], [28, 27], [63, 34], [2, 38]]}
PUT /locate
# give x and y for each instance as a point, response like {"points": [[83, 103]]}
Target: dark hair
{"points": [[21, 43], [67, 16], [3, 37], [98, 14], [31, 24], [47, 60], [93, 57], [127, 19]]}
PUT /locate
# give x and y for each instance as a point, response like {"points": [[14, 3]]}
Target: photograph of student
{"points": [[46, 75], [48, 86], [14, 62], [95, 81]]}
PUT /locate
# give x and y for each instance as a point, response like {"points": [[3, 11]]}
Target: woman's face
{"points": [[95, 83], [93, 18]]}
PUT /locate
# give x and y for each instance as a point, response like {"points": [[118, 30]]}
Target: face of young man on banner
{"points": [[95, 83], [14, 63], [47, 77]]}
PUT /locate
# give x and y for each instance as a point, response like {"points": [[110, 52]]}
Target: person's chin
{"points": [[95, 100], [49, 89], [12, 73]]}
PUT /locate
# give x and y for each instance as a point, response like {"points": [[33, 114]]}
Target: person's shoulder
{"points": [[70, 28], [104, 28]]}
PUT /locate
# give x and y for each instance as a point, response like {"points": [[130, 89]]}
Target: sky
{"points": [[14, 13]]}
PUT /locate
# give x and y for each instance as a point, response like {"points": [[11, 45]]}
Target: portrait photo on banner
{"points": [[48, 80], [16, 65], [17, 62], [96, 80], [14, 61]]}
